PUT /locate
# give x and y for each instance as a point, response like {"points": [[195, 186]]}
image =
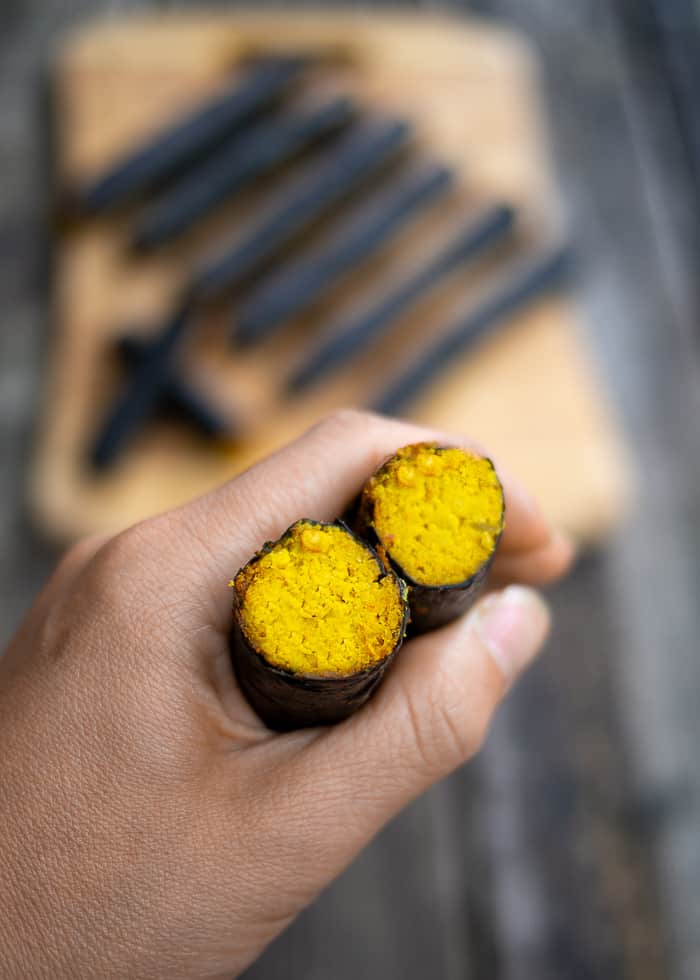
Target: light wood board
{"points": [[529, 393]]}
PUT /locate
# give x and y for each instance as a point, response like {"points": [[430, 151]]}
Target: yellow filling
{"points": [[438, 512], [316, 603]]}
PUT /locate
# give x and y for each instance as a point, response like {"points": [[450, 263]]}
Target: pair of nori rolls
{"points": [[320, 614]]}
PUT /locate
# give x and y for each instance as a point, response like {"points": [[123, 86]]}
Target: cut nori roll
{"points": [[436, 515], [317, 621]]}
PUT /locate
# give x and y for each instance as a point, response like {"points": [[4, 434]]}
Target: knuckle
{"points": [[130, 587], [458, 737], [118, 569], [443, 734], [431, 750], [126, 547], [475, 736], [79, 553], [343, 420]]}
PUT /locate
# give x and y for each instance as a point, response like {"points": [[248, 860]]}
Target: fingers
{"points": [[316, 476], [526, 527], [434, 709], [430, 716], [535, 566]]}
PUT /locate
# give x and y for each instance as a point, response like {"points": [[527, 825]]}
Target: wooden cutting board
{"points": [[529, 392]]}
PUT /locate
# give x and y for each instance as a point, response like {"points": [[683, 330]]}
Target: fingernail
{"points": [[513, 625]]}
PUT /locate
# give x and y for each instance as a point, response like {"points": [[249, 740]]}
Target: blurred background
{"points": [[570, 847]]}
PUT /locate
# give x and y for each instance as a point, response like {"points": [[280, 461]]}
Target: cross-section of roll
{"points": [[317, 621], [437, 514]]}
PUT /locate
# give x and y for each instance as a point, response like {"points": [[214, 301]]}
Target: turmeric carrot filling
{"points": [[438, 512], [318, 603]]}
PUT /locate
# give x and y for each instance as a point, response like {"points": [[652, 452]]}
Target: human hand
{"points": [[150, 825]]}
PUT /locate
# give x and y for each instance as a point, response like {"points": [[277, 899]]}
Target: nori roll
{"points": [[436, 515], [317, 621]]}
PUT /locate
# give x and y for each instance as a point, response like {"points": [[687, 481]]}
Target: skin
{"points": [[150, 825]]}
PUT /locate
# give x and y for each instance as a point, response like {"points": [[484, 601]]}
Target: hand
{"points": [[150, 825]]}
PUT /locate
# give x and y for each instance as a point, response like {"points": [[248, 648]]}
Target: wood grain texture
{"points": [[570, 848]]}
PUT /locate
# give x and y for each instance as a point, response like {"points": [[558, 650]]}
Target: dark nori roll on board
{"points": [[436, 514], [317, 621]]}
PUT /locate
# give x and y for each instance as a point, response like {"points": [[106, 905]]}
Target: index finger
{"points": [[316, 477]]}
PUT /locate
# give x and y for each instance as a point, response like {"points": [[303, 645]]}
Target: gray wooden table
{"points": [[571, 848]]}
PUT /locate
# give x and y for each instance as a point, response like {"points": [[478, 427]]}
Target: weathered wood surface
{"points": [[570, 850]]}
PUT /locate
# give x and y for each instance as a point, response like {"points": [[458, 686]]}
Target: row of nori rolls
{"points": [[320, 614], [264, 121]]}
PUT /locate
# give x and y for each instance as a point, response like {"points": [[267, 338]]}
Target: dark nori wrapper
{"points": [[431, 606], [285, 700]]}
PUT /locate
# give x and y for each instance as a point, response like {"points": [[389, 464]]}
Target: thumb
{"points": [[338, 786], [433, 711]]}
